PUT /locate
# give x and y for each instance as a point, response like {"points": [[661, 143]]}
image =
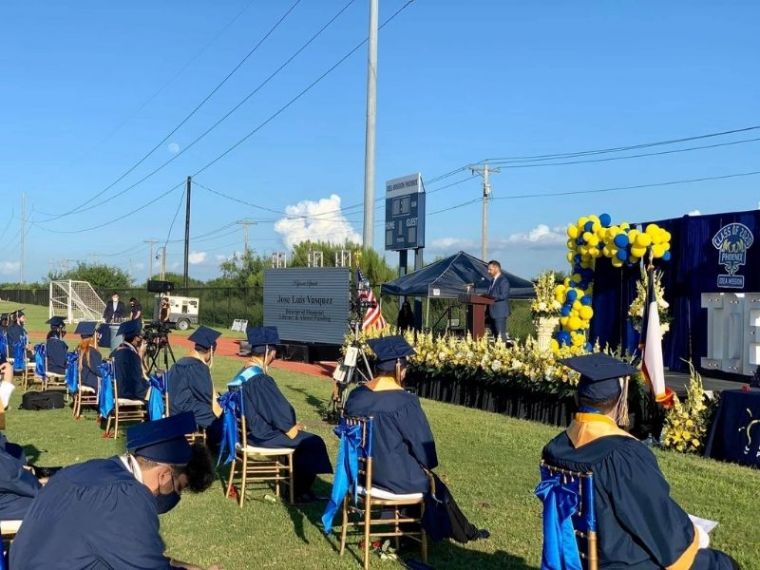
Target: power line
{"points": [[541, 157], [635, 187], [611, 158], [181, 70], [174, 219], [299, 95], [81, 207]]}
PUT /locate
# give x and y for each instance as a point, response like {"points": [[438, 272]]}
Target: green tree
{"points": [[178, 280], [99, 275], [242, 270], [372, 264]]}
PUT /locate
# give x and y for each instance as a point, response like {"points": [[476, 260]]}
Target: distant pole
{"points": [[187, 229], [150, 261], [163, 262], [369, 148], [485, 171], [245, 223], [23, 233]]}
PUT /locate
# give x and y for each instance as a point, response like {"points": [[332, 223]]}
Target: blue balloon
{"points": [[579, 241], [588, 226], [565, 311], [588, 347], [572, 295], [605, 220], [577, 258], [621, 240], [666, 256], [587, 273], [622, 255], [573, 284], [563, 337], [586, 300]]}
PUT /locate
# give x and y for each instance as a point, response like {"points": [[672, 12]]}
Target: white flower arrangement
{"points": [[545, 304], [636, 310]]}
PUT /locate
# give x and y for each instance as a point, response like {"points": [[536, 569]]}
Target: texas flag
{"points": [[652, 366]]}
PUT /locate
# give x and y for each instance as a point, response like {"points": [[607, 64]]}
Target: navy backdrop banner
{"points": [[710, 254], [735, 432]]}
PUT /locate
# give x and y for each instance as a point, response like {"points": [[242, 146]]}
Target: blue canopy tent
{"points": [[449, 278]]}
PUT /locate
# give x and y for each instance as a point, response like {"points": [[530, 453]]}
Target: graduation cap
{"points": [[130, 328], [163, 441], [389, 350], [205, 337], [56, 322], [86, 328], [261, 337], [600, 375]]}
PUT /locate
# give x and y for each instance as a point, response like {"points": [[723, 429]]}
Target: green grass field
{"points": [[489, 461]]}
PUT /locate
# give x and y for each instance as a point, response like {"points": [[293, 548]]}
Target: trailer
{"points": [[177, 311]]}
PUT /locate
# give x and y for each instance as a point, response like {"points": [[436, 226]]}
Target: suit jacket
{"points": [[109, 314], [499, 290]]}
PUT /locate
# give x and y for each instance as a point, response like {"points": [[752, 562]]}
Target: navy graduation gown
{"points": [[403, 443], [93, 515], [18, 486], [191, 390], [639, 525], [15, 333], [268, 416], [90, 374], [129, 374], [55, 351]]}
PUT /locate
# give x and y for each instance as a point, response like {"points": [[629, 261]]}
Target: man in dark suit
{"points": [[499, 292], [114, 311]]}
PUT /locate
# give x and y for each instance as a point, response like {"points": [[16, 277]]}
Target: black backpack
{"points": [[45, 400]]}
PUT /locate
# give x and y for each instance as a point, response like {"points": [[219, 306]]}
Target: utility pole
{"points": [[245, 223], [187, 229], [23, 233], [485, 171], [369, 148], [163, 262], [151, 242]]}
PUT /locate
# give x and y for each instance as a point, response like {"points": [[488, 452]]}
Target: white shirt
{"points": [[131, 465]]}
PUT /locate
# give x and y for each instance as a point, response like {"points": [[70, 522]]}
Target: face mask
{"points": [[166, 502]]}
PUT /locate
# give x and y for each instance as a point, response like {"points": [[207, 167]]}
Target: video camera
{"points": [[360, 301]]}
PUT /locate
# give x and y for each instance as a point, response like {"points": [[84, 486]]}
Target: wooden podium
{"points": [[476, 313]]}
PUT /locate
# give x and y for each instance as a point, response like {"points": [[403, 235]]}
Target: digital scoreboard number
{"points": [[404, 213]]}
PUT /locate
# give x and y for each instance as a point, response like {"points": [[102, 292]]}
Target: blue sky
{"points": [[88, 87]]}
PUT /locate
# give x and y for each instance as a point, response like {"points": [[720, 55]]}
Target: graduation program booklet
{"points": [[704, 528]]}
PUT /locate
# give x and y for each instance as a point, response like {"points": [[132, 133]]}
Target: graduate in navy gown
{"points": [[638, 524], [18, 484], [55, 348], [104, 513], [127, 360], [271, 420], [90, 358], [404, 449], [191, 388], [16, 330], [4, 348]]}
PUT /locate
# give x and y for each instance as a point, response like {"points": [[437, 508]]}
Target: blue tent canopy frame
{"points": [[448, 279]]}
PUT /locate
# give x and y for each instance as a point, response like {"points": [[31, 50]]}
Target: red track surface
{"points": [[229, 347]]}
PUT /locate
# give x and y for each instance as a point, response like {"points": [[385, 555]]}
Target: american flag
{"points": [[373, 318]]}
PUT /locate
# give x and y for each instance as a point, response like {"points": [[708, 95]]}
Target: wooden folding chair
{"points": [[53, 380], [260, 464], [374, 499], [124, 410], [584, 520], [8, 531], [85, 395]]}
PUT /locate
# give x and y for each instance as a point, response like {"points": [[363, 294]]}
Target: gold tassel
{"points": [[622, 407]]}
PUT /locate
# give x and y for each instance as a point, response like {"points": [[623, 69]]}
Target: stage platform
{"points": [[678, 381]]}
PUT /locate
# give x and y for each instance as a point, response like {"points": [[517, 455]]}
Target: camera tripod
{"points": [[353, 367], [158, 348]]}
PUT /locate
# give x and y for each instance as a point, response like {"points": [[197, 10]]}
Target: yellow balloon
{"points": [[570, 256], [587, 312], [587, 236], [638, 251], [616, 262], [666, 245], [572, 232], [592, 240], [577, 306], [658, 250], [633, 259], [574, 323], [643, 240], [563, 321], [582, 221], [652, 229], [593, 251]]}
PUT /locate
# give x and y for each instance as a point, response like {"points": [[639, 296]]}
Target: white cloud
{"points": [[322, 220], [694, 213], [540, 236], [196, 257], [9, 267]]}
